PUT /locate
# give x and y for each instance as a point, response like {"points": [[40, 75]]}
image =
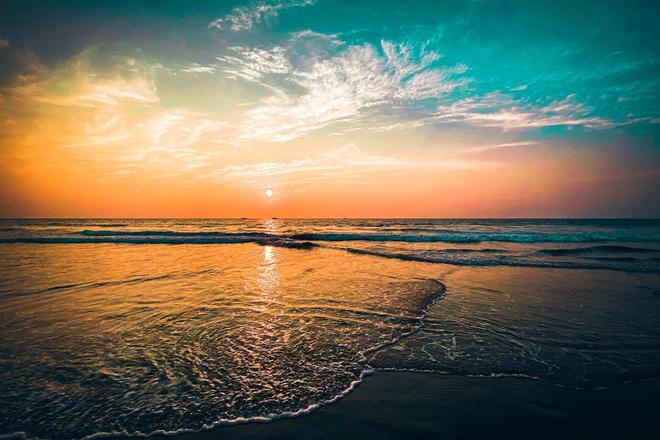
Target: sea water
{"points": [[129, 327]]}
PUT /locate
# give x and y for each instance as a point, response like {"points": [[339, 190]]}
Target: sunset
{"points": [[194, 109], [352, 219]]}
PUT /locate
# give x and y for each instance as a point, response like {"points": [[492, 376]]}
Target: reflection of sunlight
{"points": [[269, 255], [270, 225], [264, 335], [267, 278]]}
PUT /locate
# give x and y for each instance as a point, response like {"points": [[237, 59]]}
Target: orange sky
{"points": [[105, 134]]}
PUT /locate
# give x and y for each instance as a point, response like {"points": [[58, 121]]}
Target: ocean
{"points": [[131, 327]]}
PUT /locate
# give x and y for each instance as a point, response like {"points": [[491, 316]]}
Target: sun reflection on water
{"points": [[267, 278]]}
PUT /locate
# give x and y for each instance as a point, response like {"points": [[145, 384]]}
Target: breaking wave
{"points": [[452, 237], [597, 249]]}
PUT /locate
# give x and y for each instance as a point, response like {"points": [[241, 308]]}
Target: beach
{"points": [[329, 219], [329, 328], [417, 405]]}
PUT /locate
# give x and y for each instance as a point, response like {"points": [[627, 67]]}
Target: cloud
{"points": [[244, 18], [109, 92], [175, 135], [346, 86], [181, 127], [342, 163], [159, 143], [198, 68], [315, 81], [253, 64], [79, 84], [491, 147], [502, 111], [114, 115], [263, 64], [4, 43]]}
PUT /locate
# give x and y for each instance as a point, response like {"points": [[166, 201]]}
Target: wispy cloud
{"points": [[115, 116], [4, 42], [120, 117], [198, 68], [264, 64], [106, 93], [158, 143], [482, 148], [365, 80], [343, 87], [502, 111], [78, 85], [378, 88], [252, 64], [344, 162], [244, 18]]}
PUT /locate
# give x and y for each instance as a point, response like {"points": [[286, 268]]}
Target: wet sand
{"points": [[399, 405]]}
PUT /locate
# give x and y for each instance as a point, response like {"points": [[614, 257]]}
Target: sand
{"points": [[401, 405]]}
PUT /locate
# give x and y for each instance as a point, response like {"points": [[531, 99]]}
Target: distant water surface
{"points": [[629, 245], [139, 326]]}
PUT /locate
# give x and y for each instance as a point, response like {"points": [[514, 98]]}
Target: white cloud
{"points": [[345, 86], [198, 68], [502, 111], [4, 43], [482, 148], [244, 18], [252, 64]]}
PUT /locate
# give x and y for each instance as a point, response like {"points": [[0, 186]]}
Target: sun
{"points": [[269, 193]]}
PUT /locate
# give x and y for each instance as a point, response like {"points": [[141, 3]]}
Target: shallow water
{"points": [[579, 329], [107, 327], [102, 338]]}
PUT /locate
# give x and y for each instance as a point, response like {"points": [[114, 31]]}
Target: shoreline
{"points": [[399, 403], [402, 405], [416, 404]]}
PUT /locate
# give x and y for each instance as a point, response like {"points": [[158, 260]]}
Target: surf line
{"points": [[432, 298]]}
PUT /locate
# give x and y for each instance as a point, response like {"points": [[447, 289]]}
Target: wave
{"points": [[167, 233], [474, 237], [129, 240], [110, 225], [365, 371], [617, 259], [477, 261], [171, 239], [596, 249], [582, 258], [447, 237], [479, 251], [442, 236], [304, 245], [210, 426]]}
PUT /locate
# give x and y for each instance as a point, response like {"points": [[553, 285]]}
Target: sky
{"points": [[341, 108]]}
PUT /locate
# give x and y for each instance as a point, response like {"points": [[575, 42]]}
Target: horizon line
{"points": [[328, 218]]}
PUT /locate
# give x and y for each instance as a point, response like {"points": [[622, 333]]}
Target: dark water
{"points": [[107, 327], [629, 245]]}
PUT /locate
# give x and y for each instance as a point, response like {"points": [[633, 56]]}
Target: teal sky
{"points": [[269, 90]]}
